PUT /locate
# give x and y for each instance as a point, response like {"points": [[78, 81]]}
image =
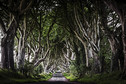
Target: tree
{"points": [[119, 8], [15, 10]]}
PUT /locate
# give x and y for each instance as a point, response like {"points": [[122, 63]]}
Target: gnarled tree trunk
{"points": [[21, 47], [123, 22], [7, 45]]}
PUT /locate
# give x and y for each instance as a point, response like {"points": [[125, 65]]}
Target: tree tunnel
{"points": [[81, 37]]}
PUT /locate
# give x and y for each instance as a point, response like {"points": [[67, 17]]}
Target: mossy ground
{"points": [[113, 78], [9, 77]]}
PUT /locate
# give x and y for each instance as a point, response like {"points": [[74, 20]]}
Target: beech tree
{"points": [[119, 8], [14, 11], [86, 36]]}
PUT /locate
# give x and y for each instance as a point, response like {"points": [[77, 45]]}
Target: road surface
{"points": [[58, 78]]}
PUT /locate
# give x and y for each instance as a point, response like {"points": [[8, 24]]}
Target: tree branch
{"points": [[42, 59], [2, 26], [24, 10]]}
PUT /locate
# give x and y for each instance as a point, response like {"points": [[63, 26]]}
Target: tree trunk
{"points": [[96, 66], [21, 58], [10, 53], [114, 60], [21, 52], [8, 46], [112, 38], [123, 22], [7, 53], [4, 57], [119, 8], [102, 64]]}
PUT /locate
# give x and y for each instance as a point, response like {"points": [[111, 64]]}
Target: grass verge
{"points": [[112, 78], [9, 77]]}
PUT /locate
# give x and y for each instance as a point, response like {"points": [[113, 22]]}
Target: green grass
{"points": [[70, 76], [9, 77], [112, 78], [45, 77]]}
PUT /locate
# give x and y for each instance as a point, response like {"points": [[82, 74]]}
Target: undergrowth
{"points": [[111, 78], [70, 76], [10, 77]]}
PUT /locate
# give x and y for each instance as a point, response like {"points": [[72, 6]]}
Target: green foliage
{"points": [[112, 78], [10, 77], [37, 70], [105, 51], [70, 76], [46, 77], [43, 77], [80, 60], [85, 9], [73, 70], [9, 74], [53, 27]]}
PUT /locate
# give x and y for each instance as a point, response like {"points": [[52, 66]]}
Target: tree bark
{"points": [[115, 42], [114, 59], [4, 54], [21, 47], [8, 46], [123, 22], [119, 8]]}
